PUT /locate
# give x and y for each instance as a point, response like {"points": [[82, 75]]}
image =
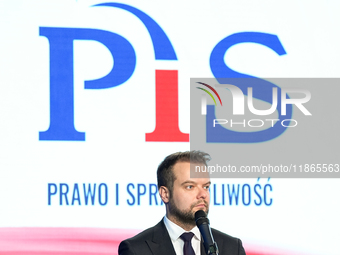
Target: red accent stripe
{"points": [[65, 241], [78, 241]]}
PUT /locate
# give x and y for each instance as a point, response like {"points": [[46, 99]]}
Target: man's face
{"points": [[189, 195]]}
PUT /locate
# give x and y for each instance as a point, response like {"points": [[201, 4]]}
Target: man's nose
{"points": [[202, 193]]}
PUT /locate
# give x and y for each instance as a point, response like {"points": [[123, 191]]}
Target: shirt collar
{"points": [[176, 231]]}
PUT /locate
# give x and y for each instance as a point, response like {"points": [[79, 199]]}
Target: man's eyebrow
{"points": [[192, 182], [188, 182]]}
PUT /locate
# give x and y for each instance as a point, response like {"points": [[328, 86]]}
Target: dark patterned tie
{"points": [[187, 248]]}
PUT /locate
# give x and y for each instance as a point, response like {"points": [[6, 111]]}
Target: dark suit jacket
{"points": [[156, 241]]}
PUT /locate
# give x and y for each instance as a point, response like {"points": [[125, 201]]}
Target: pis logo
{"points": [[61, 40]]}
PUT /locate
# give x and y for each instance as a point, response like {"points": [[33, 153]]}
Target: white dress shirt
{"points": [[176, 231]]}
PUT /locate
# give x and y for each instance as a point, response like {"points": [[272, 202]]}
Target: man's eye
{"points": [[189, 187], [206, 187]]}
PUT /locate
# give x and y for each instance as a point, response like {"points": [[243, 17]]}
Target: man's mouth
{"points": [[201, 205]]}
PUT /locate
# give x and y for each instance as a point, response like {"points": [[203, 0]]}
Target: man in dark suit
{"points": [[177, 233]]}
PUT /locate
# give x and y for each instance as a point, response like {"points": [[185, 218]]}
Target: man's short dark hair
{"points": [[165, 175]]}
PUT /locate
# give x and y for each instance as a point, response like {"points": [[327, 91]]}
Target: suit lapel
{"points": [[161, 242], [202, 247]]}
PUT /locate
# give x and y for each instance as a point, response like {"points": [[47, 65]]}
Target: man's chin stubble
{"points": [[185, 217]]}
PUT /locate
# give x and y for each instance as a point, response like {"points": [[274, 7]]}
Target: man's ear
{"points": [[164, 194]]}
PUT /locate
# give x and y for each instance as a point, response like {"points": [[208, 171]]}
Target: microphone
{"points": [[202, 223]]}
